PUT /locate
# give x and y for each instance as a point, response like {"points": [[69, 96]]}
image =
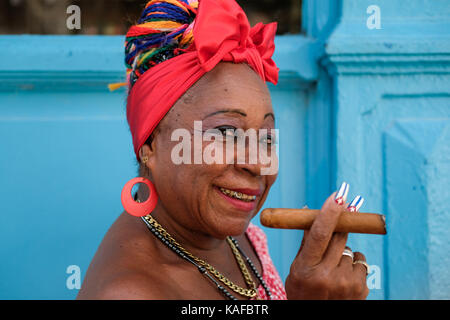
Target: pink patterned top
{"points": [[270, 274]]}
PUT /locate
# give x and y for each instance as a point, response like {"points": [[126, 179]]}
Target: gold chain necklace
{"points": [[251, 293]]}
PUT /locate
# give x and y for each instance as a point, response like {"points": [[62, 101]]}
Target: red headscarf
{"points": [[221, 33]]}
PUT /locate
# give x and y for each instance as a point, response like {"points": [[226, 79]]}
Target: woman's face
{"points": [[218, 199]]}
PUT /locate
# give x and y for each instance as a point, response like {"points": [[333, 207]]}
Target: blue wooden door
{"points": [[391, 138], [67, 152]]}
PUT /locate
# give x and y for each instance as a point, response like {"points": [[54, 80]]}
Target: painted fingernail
{"points": [[344, 198], [341, 195], [355, 204]]}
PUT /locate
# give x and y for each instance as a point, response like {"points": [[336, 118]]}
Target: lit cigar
{"points": [[302, 219]]}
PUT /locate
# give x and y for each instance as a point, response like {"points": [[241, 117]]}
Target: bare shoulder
{"points": [[123, 267], [131, 286]]}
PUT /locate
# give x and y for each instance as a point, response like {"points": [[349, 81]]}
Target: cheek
{"points": [[183, 172], [271, 180], [182, 182]]}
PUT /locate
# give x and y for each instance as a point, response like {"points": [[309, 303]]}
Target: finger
{"points": [[346, 261], [341, 195], [305, 234], [359, 268], [321, 231], [337, 245], [333, 255], [356, 204], [360, 272]]}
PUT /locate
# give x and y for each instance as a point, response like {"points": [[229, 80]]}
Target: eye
{"points": [[228, 132], [268, 139]]}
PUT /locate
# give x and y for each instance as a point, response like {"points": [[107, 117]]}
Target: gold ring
{"points": [[364, 264]]}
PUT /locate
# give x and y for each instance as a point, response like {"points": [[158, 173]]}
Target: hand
{"points": [[320, 271]]}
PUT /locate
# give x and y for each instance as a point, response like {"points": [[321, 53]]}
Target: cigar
{"points": [[302, 219]]}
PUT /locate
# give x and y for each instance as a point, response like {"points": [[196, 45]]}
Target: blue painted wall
{"points": [[368, 106], [391, 109]]}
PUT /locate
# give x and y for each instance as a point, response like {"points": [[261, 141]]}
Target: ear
{"points": [[147, 156]]}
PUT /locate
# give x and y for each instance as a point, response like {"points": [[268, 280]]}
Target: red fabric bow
{"points": [[221, 33]]}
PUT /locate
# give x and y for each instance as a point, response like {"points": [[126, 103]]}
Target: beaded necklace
{"points": [[206, 269]]}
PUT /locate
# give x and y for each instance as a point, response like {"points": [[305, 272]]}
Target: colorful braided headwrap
{"points": [[176, 43]]}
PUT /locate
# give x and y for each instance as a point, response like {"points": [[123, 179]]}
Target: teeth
{"points": [[237, 195]]}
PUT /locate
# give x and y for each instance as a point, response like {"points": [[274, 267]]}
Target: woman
{"points": [[191, 62]]}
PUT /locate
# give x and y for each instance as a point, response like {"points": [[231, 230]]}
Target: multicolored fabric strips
{"points": [[166, 57], [163, 31]]}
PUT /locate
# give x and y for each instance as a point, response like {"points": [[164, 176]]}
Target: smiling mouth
{"points": [[237, 195]]}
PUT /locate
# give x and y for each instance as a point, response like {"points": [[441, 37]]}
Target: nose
{"points": [[256, 159]]}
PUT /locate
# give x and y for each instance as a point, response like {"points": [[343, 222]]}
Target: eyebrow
{"points": [[239, 112], [242, 113]]}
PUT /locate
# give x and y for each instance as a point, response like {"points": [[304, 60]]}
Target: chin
{"points": [[233, 226], [229, 216]]}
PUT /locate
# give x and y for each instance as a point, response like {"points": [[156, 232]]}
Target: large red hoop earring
{"points": [[139, 209]]}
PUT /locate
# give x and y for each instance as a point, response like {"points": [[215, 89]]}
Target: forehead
{"points": [[230, 86]]}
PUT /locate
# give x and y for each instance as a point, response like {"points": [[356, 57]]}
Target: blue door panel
{"points": [[386, 136], [66, 154], [64, 159]]}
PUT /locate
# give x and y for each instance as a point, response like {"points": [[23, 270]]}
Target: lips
{"points": [[243, 199], [238, 195]]}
